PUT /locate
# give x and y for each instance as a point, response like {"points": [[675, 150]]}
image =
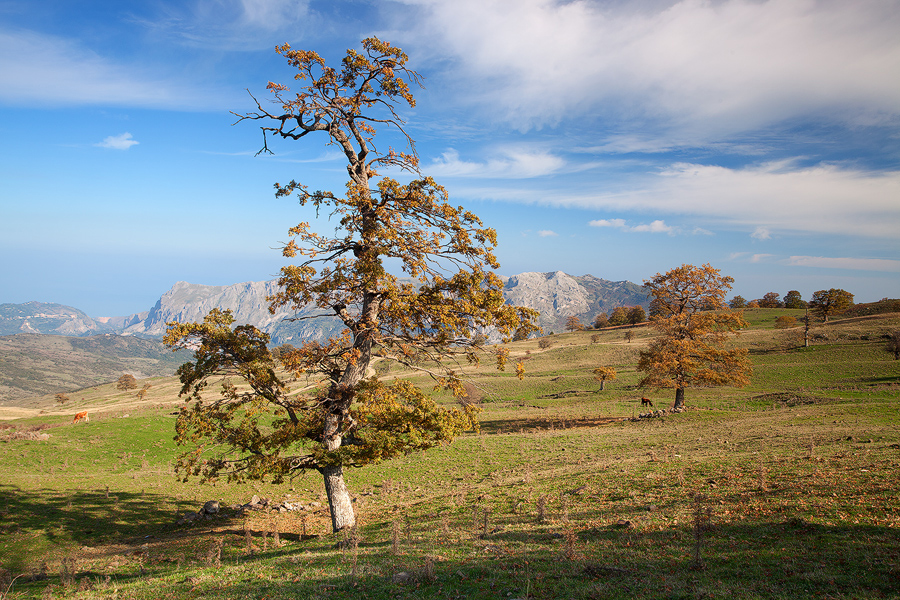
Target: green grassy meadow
{"points": [[786, 488]]}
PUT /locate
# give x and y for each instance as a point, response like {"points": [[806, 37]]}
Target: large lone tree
{"points": [[693, 320], [449, 296]]}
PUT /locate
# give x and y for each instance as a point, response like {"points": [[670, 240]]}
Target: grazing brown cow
{"points": [[80, 416], [646, 402]]}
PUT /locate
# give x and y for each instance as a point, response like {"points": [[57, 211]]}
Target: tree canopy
{"points": [[793, 299], [691, 349], [770, 300], [449, 297], [827, 303], [126, 382], [604, 374], [573, 323], [637, 315], [738, 302]]}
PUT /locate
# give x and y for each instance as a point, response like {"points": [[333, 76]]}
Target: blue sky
{"points": [[616, 138]]}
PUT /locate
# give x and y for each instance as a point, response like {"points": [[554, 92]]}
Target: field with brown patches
{"points": [[784, 489]]}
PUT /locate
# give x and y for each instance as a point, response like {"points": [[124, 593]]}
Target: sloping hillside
{"points": [[33, 364]]}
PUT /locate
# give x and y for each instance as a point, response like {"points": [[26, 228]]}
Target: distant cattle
{"points": [[646, 402], [80, 416]]}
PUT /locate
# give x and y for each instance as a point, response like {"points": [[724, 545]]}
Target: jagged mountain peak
{"points": [[555, 294]]}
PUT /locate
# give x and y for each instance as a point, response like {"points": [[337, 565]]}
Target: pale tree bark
{"points": [[338, 419], [339, 500]]}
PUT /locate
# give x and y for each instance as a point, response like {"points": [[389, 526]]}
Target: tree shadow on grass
{"points": [[544, 424], [34, 523], [790, 558]]}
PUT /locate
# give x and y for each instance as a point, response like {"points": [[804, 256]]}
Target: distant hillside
{"points": [[34, 365], [190, 302], [556, 295], [46, 318], [559, 296], [885, 305], [57, 319]]}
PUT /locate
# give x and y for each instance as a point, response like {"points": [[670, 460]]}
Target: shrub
{"points": [[785, 322]]}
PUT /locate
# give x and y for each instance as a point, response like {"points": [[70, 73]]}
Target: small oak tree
{"points": [[61, 398], [604, 374], [619, 316], [827, 303], [738, 302], [126, 382], [637, 315], [770, 300], [573, 323], [601, 321], [691, 349], [793, 299], [260, 428]]}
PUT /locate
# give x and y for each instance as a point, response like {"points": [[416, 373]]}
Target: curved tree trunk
{"points": [[679, 398], [339, 501], [338, 419]]}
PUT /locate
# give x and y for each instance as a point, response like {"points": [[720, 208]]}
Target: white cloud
{"points": [[45, 69], [547, 233], [232, 25], [761, 233], [657, 226], [757, 258], [822, 199], [863, 264], [618, 223], [511, 164], [122, 141], [706, 69], [701, 231]]}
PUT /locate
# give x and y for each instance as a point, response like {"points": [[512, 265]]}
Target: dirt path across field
{"points": [[8, 413]]}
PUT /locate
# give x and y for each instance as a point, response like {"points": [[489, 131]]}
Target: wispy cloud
{"points": [[232, 25], [511, 164], [617, 223], [547, 233], [273, 14], [47, 69], [761, 233], [122, 141], [821, 199], [657, 226], [703, 69], [864, 264]]}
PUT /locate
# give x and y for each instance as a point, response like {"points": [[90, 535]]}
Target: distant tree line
{"points": [[621, 315], [824, 303]]}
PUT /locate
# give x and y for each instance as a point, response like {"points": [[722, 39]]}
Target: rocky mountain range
{"points": [[556, 295]]}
